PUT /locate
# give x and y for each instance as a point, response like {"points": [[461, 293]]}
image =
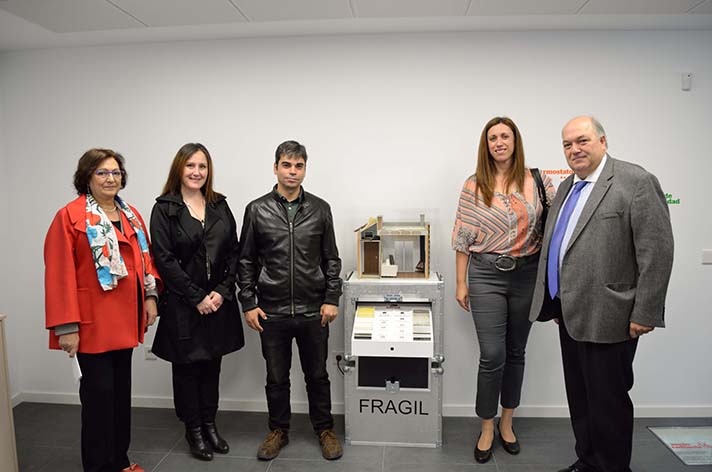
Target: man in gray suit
{"points": [[603, 275]]}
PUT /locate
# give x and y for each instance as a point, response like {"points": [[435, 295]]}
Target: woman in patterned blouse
{"points": [[497, 238]]}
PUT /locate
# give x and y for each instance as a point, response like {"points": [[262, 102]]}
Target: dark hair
{"points": [[90, 162], [290, 149], [175, 174], [485, 173]]}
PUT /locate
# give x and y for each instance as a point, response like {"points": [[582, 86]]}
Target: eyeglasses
{"points": [[104, 174]]}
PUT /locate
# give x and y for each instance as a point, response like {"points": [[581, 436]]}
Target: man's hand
{"points": [[639, 330], [151, 311], [328, 313], [69, 343], [252, 317], [462, 295], [206, 306]]}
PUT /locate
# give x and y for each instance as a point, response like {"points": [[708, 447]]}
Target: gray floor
{"points": [[48, 440]]}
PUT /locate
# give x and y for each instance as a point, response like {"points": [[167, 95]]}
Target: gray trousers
{"points": [[500, 309]]}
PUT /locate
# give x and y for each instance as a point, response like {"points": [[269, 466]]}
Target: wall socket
{"points": [[686, 81], [150, 356], [707, 256]]}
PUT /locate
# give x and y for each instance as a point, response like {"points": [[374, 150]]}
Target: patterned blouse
{"points": [[510, 226]]}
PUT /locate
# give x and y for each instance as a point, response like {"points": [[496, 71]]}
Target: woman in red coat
{"points": [[100, 297]]}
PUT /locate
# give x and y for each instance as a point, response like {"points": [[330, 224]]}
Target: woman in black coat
{"points": [[195, 248]]}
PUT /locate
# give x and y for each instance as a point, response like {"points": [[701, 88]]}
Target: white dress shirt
{"points": [[583, 198]]}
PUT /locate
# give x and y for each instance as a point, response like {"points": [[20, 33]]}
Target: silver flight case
{"points": [[393, 342]]}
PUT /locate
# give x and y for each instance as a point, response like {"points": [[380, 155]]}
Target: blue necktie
{"points": [[552, 263]]}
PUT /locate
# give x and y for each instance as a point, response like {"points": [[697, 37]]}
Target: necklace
{"points": [[115, 222], [195, 213]]}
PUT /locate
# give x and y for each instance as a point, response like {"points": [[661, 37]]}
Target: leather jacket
{"points": [[288, 268]]}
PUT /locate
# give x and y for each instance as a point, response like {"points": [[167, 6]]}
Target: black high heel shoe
{"points": [[210, 432], [511, 447], [480, 455], [198, 447]]}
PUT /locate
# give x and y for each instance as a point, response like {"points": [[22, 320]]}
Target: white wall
{"points": [[403, 109], [4, 274]]}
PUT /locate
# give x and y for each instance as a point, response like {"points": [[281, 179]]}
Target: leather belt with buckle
{"points": [[501, 262], [505, 263]]}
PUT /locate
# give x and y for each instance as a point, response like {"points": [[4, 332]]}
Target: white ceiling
{"points": [[408, 8], [57, 23], [516, 7]]}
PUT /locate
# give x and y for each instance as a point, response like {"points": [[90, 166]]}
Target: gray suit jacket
{"points": [[618, 262]]}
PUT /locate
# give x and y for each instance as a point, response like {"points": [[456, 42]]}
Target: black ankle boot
{"points": [[210, 433], [198, 447]]}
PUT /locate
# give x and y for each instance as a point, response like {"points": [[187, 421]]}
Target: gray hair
{"points": [[598, 127]]}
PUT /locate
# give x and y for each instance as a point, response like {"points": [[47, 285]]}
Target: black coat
{"points": [[181, 248]]}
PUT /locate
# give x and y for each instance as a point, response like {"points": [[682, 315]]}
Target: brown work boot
{"points": [[273, 443], [330, 445]]}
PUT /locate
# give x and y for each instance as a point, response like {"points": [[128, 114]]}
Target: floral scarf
{"points": [[104, 245]]}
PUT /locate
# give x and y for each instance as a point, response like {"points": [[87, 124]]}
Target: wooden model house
{"points": [[399, 249]]}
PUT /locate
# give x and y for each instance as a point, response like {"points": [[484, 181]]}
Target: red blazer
{"points": [[108, 320]]}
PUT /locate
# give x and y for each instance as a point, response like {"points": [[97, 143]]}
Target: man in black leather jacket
{"points": [[289, 289]]}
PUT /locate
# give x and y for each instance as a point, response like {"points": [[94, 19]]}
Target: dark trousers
{"points": [[105, 393], [500, 309], [598, 378], [312, 343], [195, 391]]}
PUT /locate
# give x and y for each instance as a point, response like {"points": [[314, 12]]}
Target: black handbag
{"points": [[550, 308], [542, 196]]}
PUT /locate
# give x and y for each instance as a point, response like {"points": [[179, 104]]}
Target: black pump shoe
{"points": [[480, 455], [198, 447], [210, 433], [511, 447]]}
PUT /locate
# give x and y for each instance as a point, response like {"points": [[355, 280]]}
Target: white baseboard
{"points": [[46, 397], [229, 404], [673, 411], [17, 399], [537, 411], [226, 404], [562, 411]]}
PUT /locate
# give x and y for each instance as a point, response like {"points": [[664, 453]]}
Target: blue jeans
{"points": [[313, 345]]}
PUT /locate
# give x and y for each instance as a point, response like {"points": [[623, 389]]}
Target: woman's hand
{"points": [[462, 295], [69, 343], [217, 299], [462, 292], [151, 310], [206, 306]]}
